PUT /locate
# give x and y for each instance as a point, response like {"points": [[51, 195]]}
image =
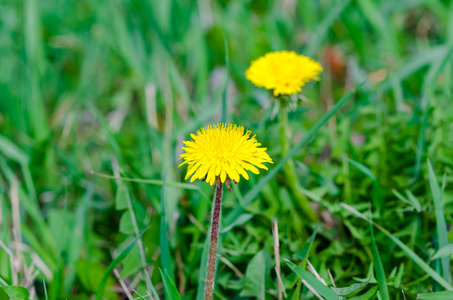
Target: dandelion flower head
{"points": [[284, 72], [223, 151]]}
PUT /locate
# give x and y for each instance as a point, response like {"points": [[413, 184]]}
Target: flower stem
{"points": [[210, 272], [289, 168]]}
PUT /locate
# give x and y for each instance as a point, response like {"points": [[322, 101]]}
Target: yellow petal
{"points": [[223, 150]]}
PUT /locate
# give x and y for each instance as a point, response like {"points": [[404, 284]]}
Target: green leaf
{"points": [[441, 225], [90, 274], [435, 296], [313, 282], [127, 225], [132, 263], [352, 290], [254, 284], [16, 292], [122, 197]]}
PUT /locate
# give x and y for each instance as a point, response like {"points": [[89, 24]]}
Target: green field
{"points": [[97, 97]]}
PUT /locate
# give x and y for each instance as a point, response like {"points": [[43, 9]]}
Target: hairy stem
{"points": [[210, 272], [289, 169]]}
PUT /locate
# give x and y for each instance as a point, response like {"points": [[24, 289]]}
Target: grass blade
{"points": [[45, 289], [171, 292], [251, 195], [413, 64], [323, 27], [227, 75], [435, 296], [444, 251], [165, 256], [352, 290], [10, 150], [382, 26], [296, 295], [153, 289], [78, 240], [409, 252], [428, 85], [379, 268], [202, 272], [35, 66], [362, 168], [305, 251], [313, 282], [117, 260], [441, 225], [181, 185]]}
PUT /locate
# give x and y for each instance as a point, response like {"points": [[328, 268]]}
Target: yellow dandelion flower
{"points": [[223, 151], [284, 72]]}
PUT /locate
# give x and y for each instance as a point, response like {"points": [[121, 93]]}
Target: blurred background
{"points": [[93, 88]]}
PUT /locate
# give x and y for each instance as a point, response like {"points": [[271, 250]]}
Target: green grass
{"points": [[96, 98]]}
